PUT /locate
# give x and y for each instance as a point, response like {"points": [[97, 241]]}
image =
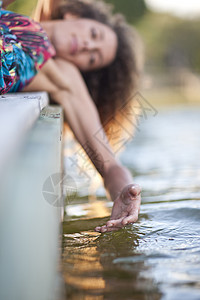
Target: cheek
{"points": [[110, 54], [81, 27], [81, 61]]}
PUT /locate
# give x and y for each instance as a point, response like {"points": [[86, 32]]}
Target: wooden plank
{"points": [[30, 226], [18, 113]]}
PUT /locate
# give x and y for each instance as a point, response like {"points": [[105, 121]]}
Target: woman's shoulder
{"points": [[30, 35], [24, 47]]}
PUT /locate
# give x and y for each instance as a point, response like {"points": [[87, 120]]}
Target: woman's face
{"points": [[86, 43]]}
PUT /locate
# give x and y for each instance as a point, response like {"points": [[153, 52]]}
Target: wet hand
{"points": [[125, 209]]}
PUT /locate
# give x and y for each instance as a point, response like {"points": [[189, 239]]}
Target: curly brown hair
{"points": [[112, 86]]}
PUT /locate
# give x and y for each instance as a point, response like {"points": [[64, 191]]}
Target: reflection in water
{"points": [[159, 256], [82, 265]]}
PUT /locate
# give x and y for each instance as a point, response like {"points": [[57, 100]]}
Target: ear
{"points": [[70, 17]]}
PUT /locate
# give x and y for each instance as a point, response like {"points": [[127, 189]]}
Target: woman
{"points": [[86, 45], [110, 86]]}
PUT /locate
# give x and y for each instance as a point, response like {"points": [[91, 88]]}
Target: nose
{"points": [[89, 45]]}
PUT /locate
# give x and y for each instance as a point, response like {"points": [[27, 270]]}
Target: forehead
{"points": [[108, 31], [107, 42]]}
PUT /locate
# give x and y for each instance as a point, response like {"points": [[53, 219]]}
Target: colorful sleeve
{"points": [[35, 44], [24, 48], [7, 60]]}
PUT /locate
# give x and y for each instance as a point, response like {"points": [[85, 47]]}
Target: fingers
{"points": [[130, 219], [104, 229], [125, 210], [114, 225], [123, 221], [109, 227]]}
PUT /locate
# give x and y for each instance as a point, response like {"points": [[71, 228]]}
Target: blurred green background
{"points": [[172, 49]]}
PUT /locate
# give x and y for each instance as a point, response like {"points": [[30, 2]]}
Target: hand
{"points": [[125, 209]]}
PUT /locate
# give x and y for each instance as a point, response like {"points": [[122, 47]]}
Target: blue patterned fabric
{"points": [[24, 48]]}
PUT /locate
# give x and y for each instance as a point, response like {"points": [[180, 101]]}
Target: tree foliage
{"points": [[133, 10], [25, 7], [170, 41], [183, 41]]}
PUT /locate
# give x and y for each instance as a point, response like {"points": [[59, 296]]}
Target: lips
{"points": [[73, 45]]}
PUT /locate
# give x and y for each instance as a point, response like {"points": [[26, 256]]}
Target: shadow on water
{"points": [[159, 256], [92, 269]]}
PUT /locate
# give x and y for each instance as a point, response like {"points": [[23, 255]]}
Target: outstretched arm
{"points": [[65, 84]]}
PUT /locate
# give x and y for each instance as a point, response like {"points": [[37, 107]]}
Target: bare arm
{"points": [[65, 85]]}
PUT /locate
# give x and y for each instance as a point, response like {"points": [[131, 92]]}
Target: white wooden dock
{"points": [[30, 224]]}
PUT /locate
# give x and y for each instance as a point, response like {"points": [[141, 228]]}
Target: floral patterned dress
{"points": [[24, 48]]}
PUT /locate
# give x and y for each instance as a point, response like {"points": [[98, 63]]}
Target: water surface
{"points": [[159, 256]]}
